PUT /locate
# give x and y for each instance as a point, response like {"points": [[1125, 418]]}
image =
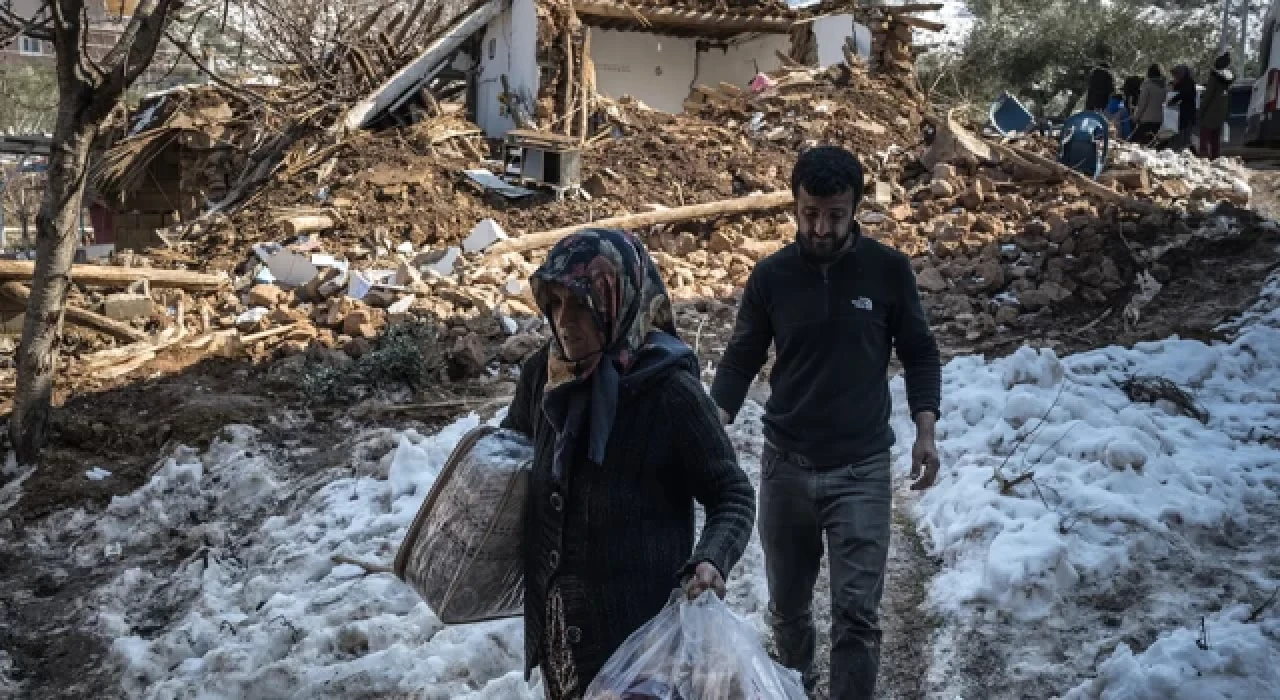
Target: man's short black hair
{"points": [[827, 171]]}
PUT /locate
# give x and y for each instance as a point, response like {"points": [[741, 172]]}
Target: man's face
{"points": [[574, 324], [824, 223]]}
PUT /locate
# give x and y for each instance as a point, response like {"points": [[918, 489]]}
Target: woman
{"points": [[1149, 113], [1184, 98], [625, 440], [1215, 108]]}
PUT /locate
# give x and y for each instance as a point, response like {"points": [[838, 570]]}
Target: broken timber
{"points": [[408, 80], [18, 291], [109, 276], [678, 18], [740, 205]]}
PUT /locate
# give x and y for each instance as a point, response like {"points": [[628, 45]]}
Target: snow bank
{"points": [[1114, 491], [264, 611], [258, 609], [1218, 175], [1237, 661], [1107, 472]]}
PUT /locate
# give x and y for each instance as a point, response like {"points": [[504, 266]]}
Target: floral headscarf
{"points": [[612, 273]]}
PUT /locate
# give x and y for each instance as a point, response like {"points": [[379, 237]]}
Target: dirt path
{"points": [[908, 628]]}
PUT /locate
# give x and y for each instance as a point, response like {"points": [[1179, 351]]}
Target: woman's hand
{"points": [[705, 577]]}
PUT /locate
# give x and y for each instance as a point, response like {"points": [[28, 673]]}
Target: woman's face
{"points": [[574, 324]]}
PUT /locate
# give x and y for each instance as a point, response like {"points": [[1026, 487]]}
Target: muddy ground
{"points": [[127, 429]]}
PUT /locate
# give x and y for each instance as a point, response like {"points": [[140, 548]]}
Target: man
{"points": [[1102, 85], [832, 303], [1215, 108]]}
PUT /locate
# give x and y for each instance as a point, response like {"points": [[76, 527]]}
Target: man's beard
{"points": [[825, 248]]}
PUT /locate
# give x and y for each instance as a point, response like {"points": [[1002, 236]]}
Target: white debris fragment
{"points": [[97, 474], [287, 267], [252, 316], [402, 306], [446, 263], [485, 234]]}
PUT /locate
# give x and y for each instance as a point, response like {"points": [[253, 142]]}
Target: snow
{"points": [[1113, 490], [256, 606], [959, 20], [1237, 661], [1220, 174], [271, 615]]}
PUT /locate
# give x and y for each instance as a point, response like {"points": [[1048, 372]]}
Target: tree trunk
{"points": [[57, 226], [87, 92]]}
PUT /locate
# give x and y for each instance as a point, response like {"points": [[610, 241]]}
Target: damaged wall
{"points": [[509, 47], [831, 32], [657, 70], [739, 62]]}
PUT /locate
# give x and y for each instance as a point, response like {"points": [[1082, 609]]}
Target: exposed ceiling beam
{"points": [[716, 23]]}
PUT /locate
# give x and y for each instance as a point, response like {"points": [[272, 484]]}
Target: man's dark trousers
{"points": [[850, 504]]}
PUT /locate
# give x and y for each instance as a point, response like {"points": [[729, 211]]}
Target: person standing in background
{"points": [[1102, 84], [1148, 114], [1215, 108], [1118, 114], [1184, 98]]}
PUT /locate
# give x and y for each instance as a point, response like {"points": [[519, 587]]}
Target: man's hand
{"points": [[705, 577], [924, 455], [725, 418]]}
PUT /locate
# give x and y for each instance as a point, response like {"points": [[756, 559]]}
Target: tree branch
{"points": [[35, 26]]}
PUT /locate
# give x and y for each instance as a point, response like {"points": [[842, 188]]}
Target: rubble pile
{"points": [[347, 235]]}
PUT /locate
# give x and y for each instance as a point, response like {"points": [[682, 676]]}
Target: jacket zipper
{"points": [[826, 292]]}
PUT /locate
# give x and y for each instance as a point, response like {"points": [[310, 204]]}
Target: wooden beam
{"points": [[739, 205], [407, 80], [110, 276], [674, 18], [916, 7], [919, 23], [18, 291]]}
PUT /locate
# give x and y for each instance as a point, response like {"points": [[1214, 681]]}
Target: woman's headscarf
{"points": [[612, 274]]}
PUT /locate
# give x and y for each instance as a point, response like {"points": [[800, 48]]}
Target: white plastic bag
{"points": [[463, 553], [694, 650], [1170, 124]]}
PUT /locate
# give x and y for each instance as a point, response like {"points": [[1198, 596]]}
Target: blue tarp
{"points": [[1008, 115]]}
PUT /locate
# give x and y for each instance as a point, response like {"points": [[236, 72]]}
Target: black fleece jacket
{"points": [[619, 540], [833, 327]]}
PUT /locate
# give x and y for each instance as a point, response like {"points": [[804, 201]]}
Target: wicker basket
{"points": [[463, 553]]}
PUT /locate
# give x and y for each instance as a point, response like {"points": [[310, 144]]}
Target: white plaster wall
{"points": [[657, 70], [831, 31], [510, 47], [738, 63]]}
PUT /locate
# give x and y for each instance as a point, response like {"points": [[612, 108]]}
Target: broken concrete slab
{"points": [[483, 236], [126, 306], [287, 268], [442, 262]]}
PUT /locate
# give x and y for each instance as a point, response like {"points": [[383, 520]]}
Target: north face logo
{"points": [[862, 303]]}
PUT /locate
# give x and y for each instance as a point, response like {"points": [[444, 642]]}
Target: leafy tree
{"points": [[1042, 50], [28, 99]]}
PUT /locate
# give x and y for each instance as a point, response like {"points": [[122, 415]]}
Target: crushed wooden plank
{"points": [[738, 205], [112, 276]]}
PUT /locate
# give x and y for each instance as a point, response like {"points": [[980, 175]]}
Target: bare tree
{"points": [[88, 91], [20, 197]]}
